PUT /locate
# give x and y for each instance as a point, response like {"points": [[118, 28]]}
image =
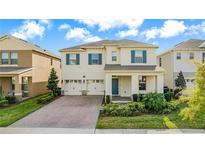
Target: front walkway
{"points": [[65, 112], [97, 131]]}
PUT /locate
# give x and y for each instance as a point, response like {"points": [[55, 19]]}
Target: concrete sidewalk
{"points": [[10, 130]]}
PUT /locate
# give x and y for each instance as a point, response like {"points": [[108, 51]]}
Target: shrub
{"points": [[45, 99], [130, 109], [58, 91], [168, 94], [169, 124], [11, 99], [137, 97], [107, 99], [3, 102], [154, 102], [177, 93]]}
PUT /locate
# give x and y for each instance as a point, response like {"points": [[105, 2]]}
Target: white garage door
{"points": [[73, 87], [95, 87]]}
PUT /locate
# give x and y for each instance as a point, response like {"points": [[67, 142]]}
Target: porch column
{"points": [[134, 84], [18, 91], [108, 84], [160, 83]]}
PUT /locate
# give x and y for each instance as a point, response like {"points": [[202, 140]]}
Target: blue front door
{"points": [[114, 86]]}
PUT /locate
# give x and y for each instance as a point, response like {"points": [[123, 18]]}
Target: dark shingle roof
{"points": [[120, 43], [190, 44], [13, 70]]}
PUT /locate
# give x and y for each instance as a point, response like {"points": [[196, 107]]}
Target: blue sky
{"points": [[57, 34]]}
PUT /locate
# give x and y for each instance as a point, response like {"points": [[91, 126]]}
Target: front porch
{"points": [[121, 86], [18, 84]]}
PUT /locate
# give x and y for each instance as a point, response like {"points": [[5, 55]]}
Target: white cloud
{"points": [[104, 25], [46, 22], [64, 27], [196, 29], [81, 34], [29, 30], [170, 28], [129, 32]]}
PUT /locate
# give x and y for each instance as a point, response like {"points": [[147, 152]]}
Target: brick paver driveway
{"points": [[65, 112]]}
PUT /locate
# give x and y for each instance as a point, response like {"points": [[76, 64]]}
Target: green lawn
{"points": [[147, 121], [15, 112]]}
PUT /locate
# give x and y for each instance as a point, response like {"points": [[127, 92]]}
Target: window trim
{"points": [[91, 59], [114, 55], [13, 58], [4, 59]]}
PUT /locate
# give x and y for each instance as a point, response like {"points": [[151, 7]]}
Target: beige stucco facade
{"points": [[78, 79], [33, 64], [173, 66]]}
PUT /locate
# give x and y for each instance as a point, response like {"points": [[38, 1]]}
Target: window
{"points": [[114, 56], [203, 57], [5, 58], [160, 61], [25, 83], [72, 59], [191, 56], [14, 58], [142, 82], [94, 59], [178, 55], [138, 56]]}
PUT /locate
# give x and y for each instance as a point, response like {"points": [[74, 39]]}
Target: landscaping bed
{"points": [[10, 114], [154, 112]]}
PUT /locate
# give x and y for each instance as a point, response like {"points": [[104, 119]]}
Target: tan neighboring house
{"points": [[181, 58], [24, 67], [111, 67]]}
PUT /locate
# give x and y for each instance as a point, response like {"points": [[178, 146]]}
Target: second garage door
{"points": [[95, 87]]}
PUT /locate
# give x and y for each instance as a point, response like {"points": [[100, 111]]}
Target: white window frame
{"points": [[73, 59], [138, 56], [114, 56]]}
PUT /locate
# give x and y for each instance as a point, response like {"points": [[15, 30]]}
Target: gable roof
{"points": [[15, 43], [119, 43], [189, 45]]}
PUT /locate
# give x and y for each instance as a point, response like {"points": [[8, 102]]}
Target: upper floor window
{"points": [[191, 55], [72, 59], [95, 59], [5, 58], [14, 58], [142, 82], [160, 61], [178, 55], [114, 56], [138, 56]]}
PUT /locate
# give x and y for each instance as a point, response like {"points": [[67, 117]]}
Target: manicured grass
{"points": [[11, 114], [147, 121]]}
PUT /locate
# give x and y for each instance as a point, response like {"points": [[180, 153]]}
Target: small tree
{"points": [[53, 82], [197, 99], [180, 81]]}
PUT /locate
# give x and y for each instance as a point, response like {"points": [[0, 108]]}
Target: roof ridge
{"points": [[31, 45]]}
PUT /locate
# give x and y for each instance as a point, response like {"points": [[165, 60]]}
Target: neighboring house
{"points": [[24, 67], [114, 67], [181, 58]]}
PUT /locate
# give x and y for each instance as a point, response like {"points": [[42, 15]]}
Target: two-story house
{"points": [[181, 58], [24, 67], [111, 67]]}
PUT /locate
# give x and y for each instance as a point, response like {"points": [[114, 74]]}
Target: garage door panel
{"points": [[73, 87], [95, 87]]}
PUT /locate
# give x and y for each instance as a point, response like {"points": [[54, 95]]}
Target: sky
{"points": [[56, 34]]}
